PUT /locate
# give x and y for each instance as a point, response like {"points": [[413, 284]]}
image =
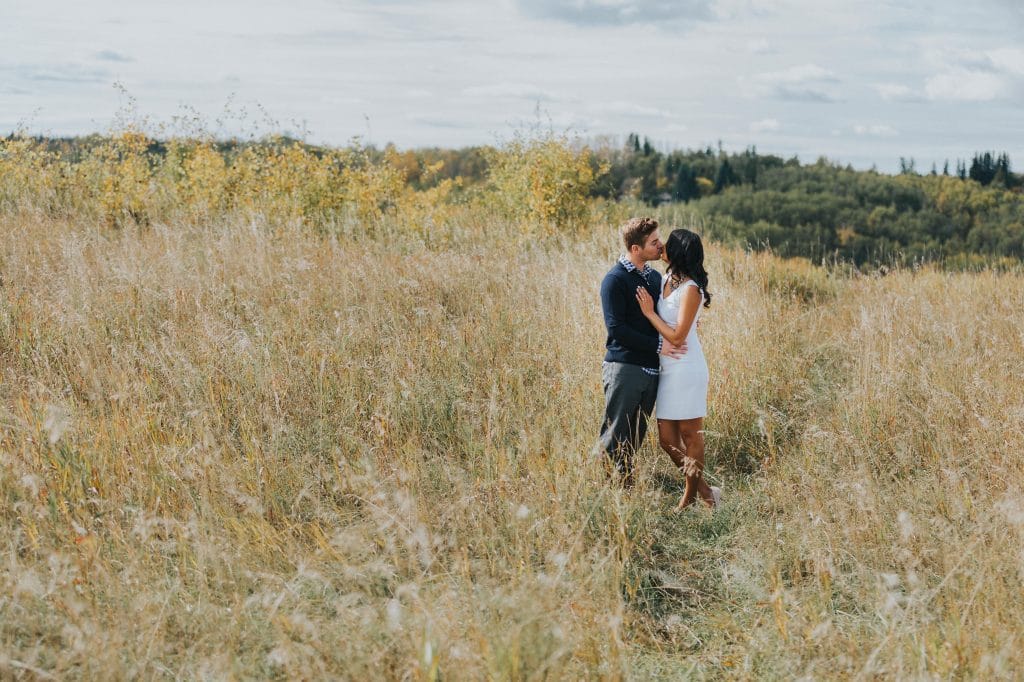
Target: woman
{"points": [[683, 385]]}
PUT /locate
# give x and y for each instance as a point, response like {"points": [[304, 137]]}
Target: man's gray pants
{"points": [[629, 395]]}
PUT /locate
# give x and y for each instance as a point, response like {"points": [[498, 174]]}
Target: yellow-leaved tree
{"points": [[543, 181]]}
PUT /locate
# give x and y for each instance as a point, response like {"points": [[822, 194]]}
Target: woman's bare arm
{"points": [[687, 311]]}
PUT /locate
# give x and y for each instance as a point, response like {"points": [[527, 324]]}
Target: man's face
{"points": [[652, 248]]}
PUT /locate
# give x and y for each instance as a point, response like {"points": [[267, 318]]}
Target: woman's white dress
{"points": [[683, 383]]}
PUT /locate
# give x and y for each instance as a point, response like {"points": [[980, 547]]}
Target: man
{"points": [[630, 370]]}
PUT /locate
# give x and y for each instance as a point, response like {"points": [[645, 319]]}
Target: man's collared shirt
{"points": [[628, 264]]}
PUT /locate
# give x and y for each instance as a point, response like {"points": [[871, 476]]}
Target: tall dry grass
{"points": [[233, 447]]}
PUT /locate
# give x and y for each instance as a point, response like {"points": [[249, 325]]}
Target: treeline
{"points": [[823, 211], [970, 213], [967, 212]]}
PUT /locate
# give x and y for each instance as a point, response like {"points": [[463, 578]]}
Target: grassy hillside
{"points": [[235, 446]]}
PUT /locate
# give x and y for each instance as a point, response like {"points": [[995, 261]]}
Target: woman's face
{"points": [[664, 253]]}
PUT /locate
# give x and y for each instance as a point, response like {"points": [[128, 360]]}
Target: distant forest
{"points": [[969, 212]]}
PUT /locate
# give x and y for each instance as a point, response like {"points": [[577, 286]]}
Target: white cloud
{"points": [[896, 92], [761, 46], [511, 91], [341, 100], [1004, 59], [617, 12], [58, 73], [800, 74], [964, 85], [805, 83], [967, 75], [560, 120], [876, 130], [630, 65], [1008, 60], [113, 56], [973, 60], [438, 121], [634, 109], [765, 125]]}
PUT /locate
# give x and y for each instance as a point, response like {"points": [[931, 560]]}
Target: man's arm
{"points": [[614, 302]]}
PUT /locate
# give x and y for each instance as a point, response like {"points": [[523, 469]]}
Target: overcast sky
{"points": [[859, 81]]}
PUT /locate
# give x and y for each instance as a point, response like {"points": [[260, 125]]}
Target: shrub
{"points": [[543, 181]]}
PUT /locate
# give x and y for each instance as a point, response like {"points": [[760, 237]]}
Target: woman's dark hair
{"points": [[685, 255]]}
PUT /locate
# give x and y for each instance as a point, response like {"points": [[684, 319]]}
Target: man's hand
{"points": [[668, 350]]}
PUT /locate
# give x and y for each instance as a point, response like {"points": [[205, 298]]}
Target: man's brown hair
{"points": [[636, 231]]}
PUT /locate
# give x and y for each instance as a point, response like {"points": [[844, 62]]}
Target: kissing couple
{"points": [[654, 354]]}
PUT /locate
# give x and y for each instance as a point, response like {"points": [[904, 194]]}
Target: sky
{"points": [[861, 82]]}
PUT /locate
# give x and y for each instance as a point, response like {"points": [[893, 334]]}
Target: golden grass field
{"points": [[239, 448]]}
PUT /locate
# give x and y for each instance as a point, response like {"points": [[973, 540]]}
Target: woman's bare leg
{"points": [[671, 440], [670, 432], [692, 432]]}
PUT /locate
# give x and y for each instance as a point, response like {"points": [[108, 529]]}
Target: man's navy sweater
{"points": [[632, 339]]}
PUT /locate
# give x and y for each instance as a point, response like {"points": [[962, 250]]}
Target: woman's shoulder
{"points": [[691, 289]]}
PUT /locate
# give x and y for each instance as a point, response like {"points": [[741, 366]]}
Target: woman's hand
{"points": [[645, 301]]}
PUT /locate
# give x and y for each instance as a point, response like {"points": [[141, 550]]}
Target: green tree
{"points": [[726, 176]]}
